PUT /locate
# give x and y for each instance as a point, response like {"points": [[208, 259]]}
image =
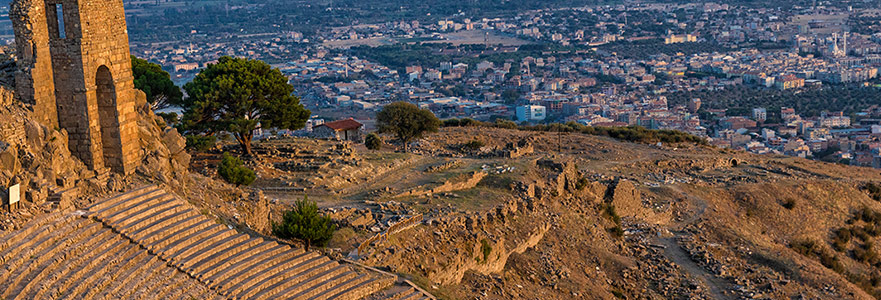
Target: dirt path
{"points": [[675, 253], [715, 286]]}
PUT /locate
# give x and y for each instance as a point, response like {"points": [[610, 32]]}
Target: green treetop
{"points": [[236, 95]]}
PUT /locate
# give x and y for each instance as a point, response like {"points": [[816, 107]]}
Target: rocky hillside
{"points": [[37, 158], [594, 218], [526, 215]]}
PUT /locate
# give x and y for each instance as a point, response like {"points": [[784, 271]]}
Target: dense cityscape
{"points": [[739, 76]]}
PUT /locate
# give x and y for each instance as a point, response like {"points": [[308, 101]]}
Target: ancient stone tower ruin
{"points": [[74, 69]]}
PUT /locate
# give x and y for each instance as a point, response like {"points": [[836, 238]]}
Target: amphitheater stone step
{"points": [[66, 255], [233, 264], [305, 280]]}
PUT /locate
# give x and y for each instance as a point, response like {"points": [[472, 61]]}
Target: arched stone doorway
{"points": [[108, 117]]}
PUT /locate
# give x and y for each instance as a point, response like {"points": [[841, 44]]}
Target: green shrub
{"points": [[617, 231], [474, 145], [373, 141], [610, 213], [450, 123], [200, 142], [809, 248], [803, 247], [485, 249], [303, 222], [582, 183], [465, 122], [861, 234], [869, 216], [874, 190], [865, 254], [635, 134], [506, 124], [841, 238], [872, 229], [232, 170]]}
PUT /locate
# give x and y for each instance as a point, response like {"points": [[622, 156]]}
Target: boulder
{"points": [[9, 158], [173, 140]]}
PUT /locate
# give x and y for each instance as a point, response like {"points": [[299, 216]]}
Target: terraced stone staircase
{"points": [[147, 244], [235, 265], [67, 256]]}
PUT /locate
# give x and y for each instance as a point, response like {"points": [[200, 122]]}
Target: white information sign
{"points": [[14, 194]]}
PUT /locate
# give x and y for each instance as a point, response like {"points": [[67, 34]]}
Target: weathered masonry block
{"points": [[74, 69]]}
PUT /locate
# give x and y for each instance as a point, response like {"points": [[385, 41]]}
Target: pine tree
{"points": [[305, 223], [236, 95]]}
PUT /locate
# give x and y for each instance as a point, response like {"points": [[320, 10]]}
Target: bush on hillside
{"points": [[810, 248], [232, 170], [635, 134], [465, 122], [506, 124], [485, 249], [874, 190], [373, 141], [303, 222], [474, 145]]}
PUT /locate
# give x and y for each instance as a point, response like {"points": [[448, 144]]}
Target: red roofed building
{"points": [[343, 130]]}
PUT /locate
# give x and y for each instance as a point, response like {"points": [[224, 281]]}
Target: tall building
{"points": [[528, 113], [760, 114], [694, 105], [836, 51]]}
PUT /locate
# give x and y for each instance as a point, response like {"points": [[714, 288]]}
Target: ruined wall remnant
{"points": [[519, 149], [34, 81], [74, 68], [452, 185]]}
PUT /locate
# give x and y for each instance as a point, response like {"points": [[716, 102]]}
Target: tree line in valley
{"points": [[808, 102]]}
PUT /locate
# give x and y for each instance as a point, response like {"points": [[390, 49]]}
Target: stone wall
{"points": [[78, 76], [34, 80], [444, 166], [502, 228], [38, 157], [448, 186], [500, 250], [395, 228], [516, 150], [256, 215], [459, 241], [34, 155]]}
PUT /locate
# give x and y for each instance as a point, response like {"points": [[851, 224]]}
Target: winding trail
{"points": [[673, 251], [676, 254]]}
